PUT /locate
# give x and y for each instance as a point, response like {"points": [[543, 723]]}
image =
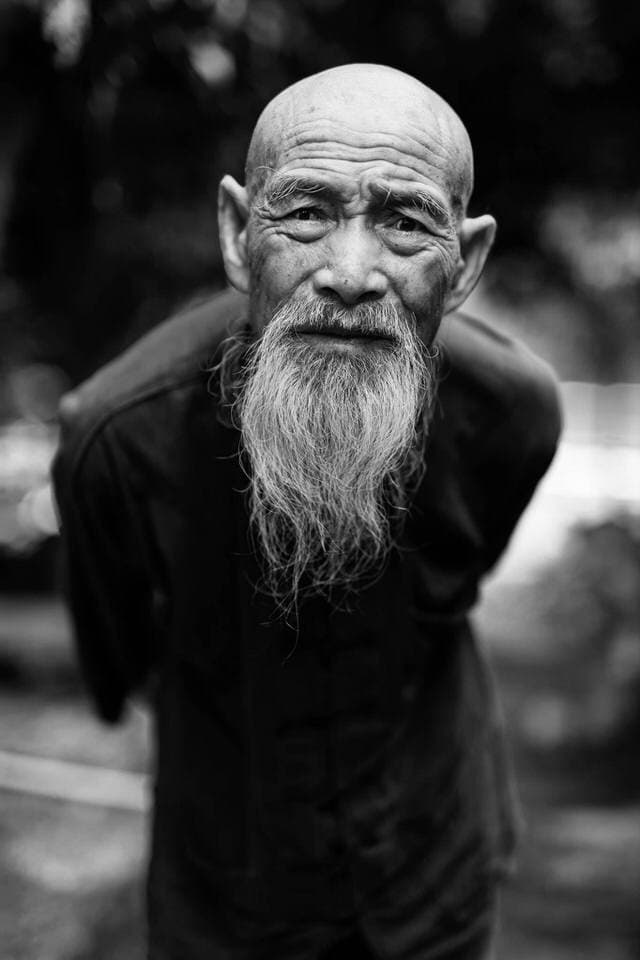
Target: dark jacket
{"points": [[344, 769]]}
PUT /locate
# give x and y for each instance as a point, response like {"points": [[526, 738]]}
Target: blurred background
{"points": [[117, 120]]}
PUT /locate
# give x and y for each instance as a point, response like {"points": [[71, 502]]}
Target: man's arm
{"points": [[520, 456], [106, 581]]}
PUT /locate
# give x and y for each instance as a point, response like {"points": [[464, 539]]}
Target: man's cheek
{"points": [[426, 282], [265, 273], [441, 260]]}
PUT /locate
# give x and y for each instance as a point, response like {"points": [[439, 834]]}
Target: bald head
{"points": [[366, 99]]}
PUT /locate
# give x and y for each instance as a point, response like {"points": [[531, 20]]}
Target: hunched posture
{"points": [[277, 509]]}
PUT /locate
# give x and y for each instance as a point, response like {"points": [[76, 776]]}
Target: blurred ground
{"points": [[67, 868], [72, 872]]}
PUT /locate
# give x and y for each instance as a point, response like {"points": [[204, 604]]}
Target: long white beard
{"points": [[333, 443]]}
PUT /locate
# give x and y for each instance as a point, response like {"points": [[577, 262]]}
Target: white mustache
{"points": [[372, 319]]}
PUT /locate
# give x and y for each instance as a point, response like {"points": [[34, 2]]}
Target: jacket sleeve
{"points": [[521, 456], [106, 580]]}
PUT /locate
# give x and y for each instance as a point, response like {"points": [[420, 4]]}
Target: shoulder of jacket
{"points": [[166, 359], [483, 367]]}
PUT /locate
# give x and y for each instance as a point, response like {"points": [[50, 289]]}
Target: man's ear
{"points": [[476, 237], [233, 213]]}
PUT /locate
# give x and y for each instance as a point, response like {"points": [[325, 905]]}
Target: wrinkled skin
{"points": [[357, 185]]}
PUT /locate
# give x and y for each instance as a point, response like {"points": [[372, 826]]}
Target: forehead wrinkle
{"points": [[411, 130], [306, 135], [390, 161], [400, 161]]}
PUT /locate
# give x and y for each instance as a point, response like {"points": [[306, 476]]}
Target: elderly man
{"points": [[277, 510]]}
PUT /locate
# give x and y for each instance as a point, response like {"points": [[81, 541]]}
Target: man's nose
{"points": [[352, 270]]}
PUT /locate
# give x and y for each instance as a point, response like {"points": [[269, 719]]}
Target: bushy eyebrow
{"points": [[412, 199], [284, 187]]}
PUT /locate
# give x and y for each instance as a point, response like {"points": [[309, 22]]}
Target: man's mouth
{"points": [[339, 331]]}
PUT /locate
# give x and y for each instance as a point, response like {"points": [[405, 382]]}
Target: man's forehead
{"points": [[351, 164], [357, 116]]}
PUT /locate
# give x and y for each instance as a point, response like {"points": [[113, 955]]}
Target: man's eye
{"points": [[304, 214], [409, 225]]}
